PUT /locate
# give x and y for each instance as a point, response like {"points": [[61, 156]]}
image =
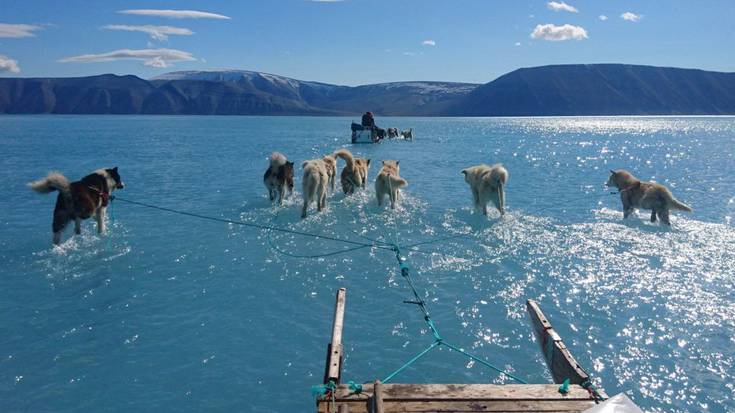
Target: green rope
{"points": [[410, 362], [281, 251], [592, 389], [564, 388], [242, 223]]}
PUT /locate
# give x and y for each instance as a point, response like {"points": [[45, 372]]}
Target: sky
{"points": [[353, 42]]}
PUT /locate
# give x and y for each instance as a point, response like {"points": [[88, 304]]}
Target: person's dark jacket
{"points": [[368, 120]]}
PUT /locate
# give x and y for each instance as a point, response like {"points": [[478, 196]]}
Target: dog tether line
{"points": [[249, 224]]}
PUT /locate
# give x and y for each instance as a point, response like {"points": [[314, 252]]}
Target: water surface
{"points": [[171, 313]]}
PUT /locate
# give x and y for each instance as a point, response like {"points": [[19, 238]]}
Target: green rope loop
{"points": [[354, 387], [564, 388]]}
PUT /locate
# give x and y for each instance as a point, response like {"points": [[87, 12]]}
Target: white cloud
{"points": [[8, 65], [409, 53], [18, 30], [159, 33], [602, 17], [150, 57], [631, 17], [561, 6], [428, 43], [175, 14], [558, 33], [518, 44]]}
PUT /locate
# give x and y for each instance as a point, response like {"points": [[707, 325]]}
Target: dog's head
{"points": [[391, 164], [113, 174]]}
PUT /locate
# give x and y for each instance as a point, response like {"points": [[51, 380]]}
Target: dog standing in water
{"points": [[635, 193], [315, 183], [388, 182], [279, 177], [487, 184], [355, 173], [81, 199], [330, 162]]}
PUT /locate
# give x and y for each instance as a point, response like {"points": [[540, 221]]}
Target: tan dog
{"points": [[487, 184], [645, 195], [314, 183], [355, 173], [331, 163], [388, 182]]}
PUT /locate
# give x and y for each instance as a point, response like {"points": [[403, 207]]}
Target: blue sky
{"points": [[359, 41]]}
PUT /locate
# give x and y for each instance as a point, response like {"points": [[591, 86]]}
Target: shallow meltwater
{"points": [[176, 313]]}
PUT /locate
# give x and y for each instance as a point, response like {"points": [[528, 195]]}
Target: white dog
{"points": [[315, 182], [487, 184], [388, 182]]}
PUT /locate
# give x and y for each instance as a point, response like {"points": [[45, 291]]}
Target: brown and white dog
{"points": [[388, 182], [279, 177], [487, 184], [355, 173], [315, 183], [81, 199], [646, 195]]}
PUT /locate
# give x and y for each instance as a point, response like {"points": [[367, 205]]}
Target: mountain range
{"points": [[559, 90]]}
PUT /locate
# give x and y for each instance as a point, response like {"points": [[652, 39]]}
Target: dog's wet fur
{"points": [[80, 199], [487, 183], [314, 184], [355, 173], [388, 182], [278, 178], [635, 193]]}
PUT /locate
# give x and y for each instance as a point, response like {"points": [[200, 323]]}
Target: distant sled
{"points": [[366, 134], [371, 134]]}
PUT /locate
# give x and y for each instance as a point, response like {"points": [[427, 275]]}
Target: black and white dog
{"points": [[81, 199]]}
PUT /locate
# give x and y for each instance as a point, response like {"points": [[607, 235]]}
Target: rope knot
{"points": [[355, 387]]}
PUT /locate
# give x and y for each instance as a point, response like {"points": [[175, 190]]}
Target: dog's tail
{"points": [[54, 181], [397, 181], [347, 156], [676, 204], [277, 160]]}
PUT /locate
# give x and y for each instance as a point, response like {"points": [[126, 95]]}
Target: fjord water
{"points": [[172, 313]]}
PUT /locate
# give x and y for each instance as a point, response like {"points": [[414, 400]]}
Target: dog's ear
{"points": [[464, 172], [303, 165], [398, 162], [368, 161], [383, 162], [612, 172], [289, 163], [114, 169]]}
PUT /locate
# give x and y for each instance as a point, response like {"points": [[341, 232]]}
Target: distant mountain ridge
{"points": [[598, 89]]}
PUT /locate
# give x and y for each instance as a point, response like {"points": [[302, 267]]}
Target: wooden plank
{"points": [[378, 406], [519, 406], [559, 359], [343, 408], [458, 392], [333, 368]]}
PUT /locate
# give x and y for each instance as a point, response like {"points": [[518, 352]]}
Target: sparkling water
{"points": [[173, 313]]}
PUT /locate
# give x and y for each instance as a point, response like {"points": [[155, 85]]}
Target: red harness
{"points": [[104, 196]]}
